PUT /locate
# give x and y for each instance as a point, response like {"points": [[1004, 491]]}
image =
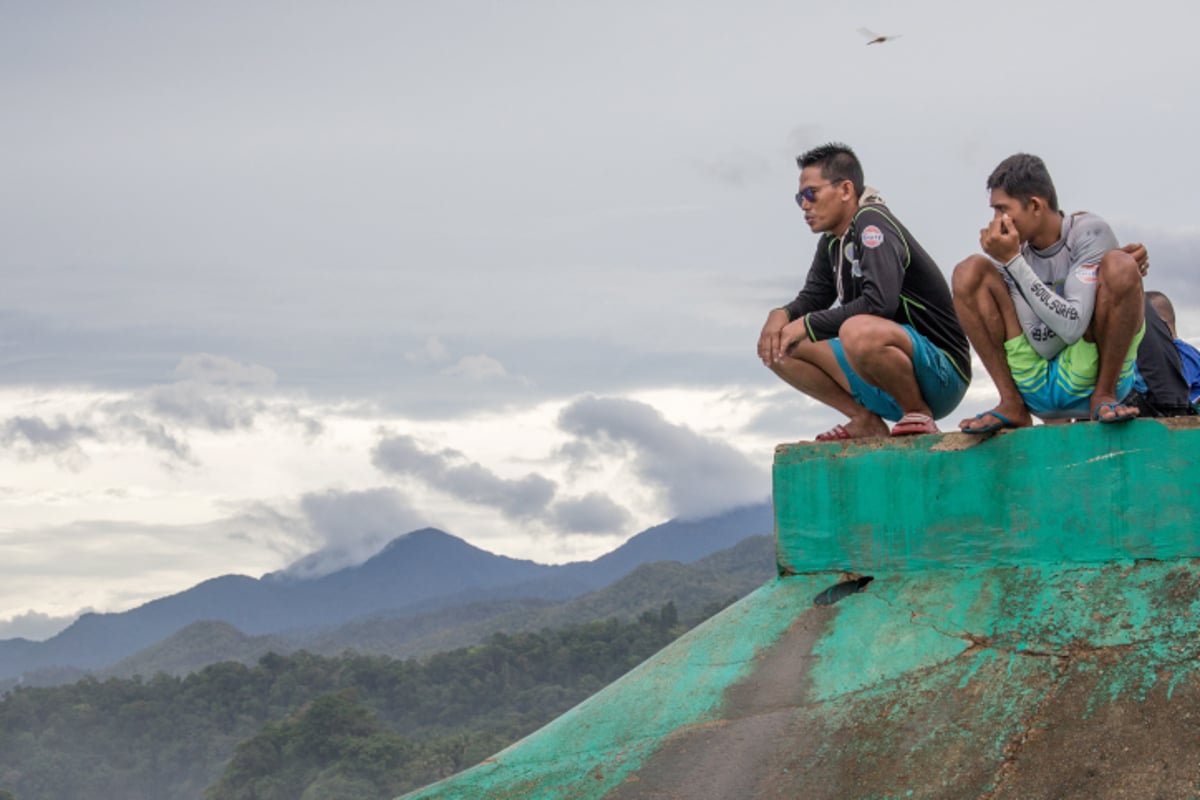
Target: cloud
{"points": [[696, 475], [531, 498], [33, 437], [592, 513], [431, 352], [115, 564], [350, 527], [212, 370], [40, 435], [449, 471], [477, 368], [188, 404], [214, 394], [35, 626], [787, 415], [156, 436]]}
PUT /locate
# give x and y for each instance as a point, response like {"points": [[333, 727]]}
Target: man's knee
{"points": [[864, 334], [1118, 274], [971, 273]]}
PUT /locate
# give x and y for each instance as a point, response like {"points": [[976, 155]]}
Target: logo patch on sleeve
{"points": [[1086, 273], [872, 237]]}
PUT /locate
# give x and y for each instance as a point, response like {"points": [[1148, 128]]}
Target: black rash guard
{"points": [[879, 268]]}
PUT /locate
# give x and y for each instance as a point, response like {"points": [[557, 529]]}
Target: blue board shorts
{"points": [[940, 384], [1062, 386]]}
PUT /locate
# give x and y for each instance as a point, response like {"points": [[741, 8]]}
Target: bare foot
{"points": [[867, 426], [1107, 409], [1002, 416]]}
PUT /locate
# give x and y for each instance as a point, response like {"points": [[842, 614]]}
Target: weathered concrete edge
{"points": [[1022, 497]]}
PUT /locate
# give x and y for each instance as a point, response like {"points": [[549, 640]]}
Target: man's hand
{"points": [[1138, 251], [1000, 239], [770, 341], [793, 332]]}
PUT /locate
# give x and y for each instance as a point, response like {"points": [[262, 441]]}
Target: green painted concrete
{"points": [[1058, 659], [1045, 495], [596, 745]]}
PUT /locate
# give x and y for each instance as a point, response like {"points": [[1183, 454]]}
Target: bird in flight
{"points": [[876, 38]]}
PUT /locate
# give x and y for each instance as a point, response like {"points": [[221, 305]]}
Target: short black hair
{"points": [[1162, 304], [1023, 177], [838, 163]]}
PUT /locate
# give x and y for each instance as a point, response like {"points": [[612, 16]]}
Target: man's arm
{"points": [[1070, 314], [820, 290], [820, 286]]}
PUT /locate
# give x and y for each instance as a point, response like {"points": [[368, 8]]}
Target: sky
{"points": [[285, 280]]}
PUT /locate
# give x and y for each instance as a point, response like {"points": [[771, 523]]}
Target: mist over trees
{"points": [[308, 727]]}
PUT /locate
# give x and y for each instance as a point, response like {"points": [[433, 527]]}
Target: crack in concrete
{"points": [[1012, 750], [1008, 645]]}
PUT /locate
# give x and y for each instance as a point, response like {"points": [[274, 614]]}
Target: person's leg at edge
{"points": [[812, 368], [989, 319], [881, 352], [1118, 317]]}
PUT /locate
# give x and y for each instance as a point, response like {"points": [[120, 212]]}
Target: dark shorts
{"points": [[940, 384]]}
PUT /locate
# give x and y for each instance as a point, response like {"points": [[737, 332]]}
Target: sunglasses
{"points": [[809, 193]]}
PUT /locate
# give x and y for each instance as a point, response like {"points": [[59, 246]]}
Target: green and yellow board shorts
{"points": [[1062, 386]]}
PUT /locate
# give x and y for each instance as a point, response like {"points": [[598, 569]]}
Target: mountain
{"points": [[715, 580], [694, 589], [423, 570], [194, 647]]}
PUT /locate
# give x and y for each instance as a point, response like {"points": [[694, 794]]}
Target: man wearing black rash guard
{"points": [[873, 332]]}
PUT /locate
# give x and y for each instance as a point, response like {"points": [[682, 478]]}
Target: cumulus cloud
{"points": [[211, 393], [184, 404], [697, 476], [529, 498], [350, 527], [451, 472], [32, 437], [592, 513]]}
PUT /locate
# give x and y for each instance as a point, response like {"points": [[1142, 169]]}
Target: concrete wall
{"points": [[1080, 493], [1031, 632]]}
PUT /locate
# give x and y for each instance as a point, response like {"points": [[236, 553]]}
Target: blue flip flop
{"points": [[1004, 422], [1114, 418]]}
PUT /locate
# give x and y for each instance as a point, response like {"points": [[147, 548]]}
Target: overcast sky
{"points": [[283, 280]]}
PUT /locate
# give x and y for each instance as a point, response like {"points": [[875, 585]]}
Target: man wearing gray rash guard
{"points": [[1054, 309]]}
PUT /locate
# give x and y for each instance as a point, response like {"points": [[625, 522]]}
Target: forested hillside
{"points": [[310, 727]]}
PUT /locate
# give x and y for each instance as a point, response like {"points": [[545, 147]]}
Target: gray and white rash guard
{"points": [[1054, 289]]}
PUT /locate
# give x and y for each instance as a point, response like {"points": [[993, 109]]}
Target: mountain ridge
{"points": [[424, 569]]}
